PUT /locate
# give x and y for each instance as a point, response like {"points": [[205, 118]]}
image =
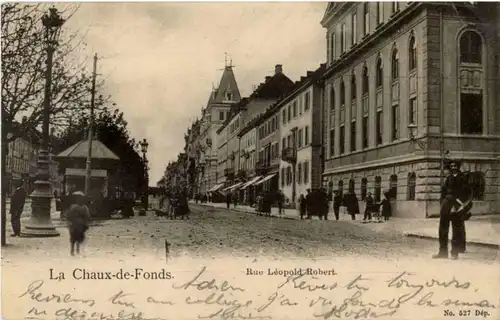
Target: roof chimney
{"points": [[278, 69]]}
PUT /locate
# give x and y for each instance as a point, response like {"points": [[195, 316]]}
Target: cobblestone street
{"points": [[212, 232]]}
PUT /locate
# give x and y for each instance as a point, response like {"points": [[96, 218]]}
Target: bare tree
{"points": [[23, 77]]}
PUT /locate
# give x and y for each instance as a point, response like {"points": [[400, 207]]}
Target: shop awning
{"points": [[216, 187], [234, 186], [268, 177], [249, 183]]}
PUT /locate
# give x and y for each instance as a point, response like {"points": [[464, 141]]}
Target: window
{"points": [[306, 172], [380, 124], [364, 185], [289, 175], [342, 139], [378, 188], [299, 140], [470, 47], [342, 93], [221, 115], [477, 184], [395, 122], [332, 142], [332, 99], [380, 13], [412, 182], [412, 54], [343, 39], [289, 141], [365, 132], [353, 88], [299, 173], [380, 73], [395, 6], [332, 46], [366, 12], [340, 187], [283, 144], [289, 113], [307, 101], [354, 28], [295, 108], [352, 186], [283, 115], [393, 187], [365, 80], [412, 112], [395, 65], [306, 135], [471, 113], [353, 136]]}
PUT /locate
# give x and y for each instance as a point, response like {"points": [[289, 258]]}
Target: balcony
{"points": [[289, 155], [229, 173], [241, 175]]}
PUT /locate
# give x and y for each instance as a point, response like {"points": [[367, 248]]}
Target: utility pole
{"points": [[91, 129]]}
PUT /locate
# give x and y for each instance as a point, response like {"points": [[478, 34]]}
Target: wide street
{"points": [[214, 231]]}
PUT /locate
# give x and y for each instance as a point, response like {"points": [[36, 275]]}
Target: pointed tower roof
{"points": [[227, 90]]}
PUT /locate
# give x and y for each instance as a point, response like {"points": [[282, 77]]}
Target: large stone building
{"points": [[240, 115], [407, 85]]}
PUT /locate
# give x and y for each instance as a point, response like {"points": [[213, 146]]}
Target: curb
{"points": [[475, 243], [243, 211]]}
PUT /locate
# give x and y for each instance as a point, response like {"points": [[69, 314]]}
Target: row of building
{"points": [[405, 85]]}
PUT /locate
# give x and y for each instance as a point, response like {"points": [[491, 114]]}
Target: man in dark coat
{"points": [[337, 202], [454, 193], [16, 209]]}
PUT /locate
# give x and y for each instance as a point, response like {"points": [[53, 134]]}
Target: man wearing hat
{"points": [[16, 208], [454, 195]]}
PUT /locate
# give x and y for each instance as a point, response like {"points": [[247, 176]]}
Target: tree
{"points": [[111, 129], [23, 77]]}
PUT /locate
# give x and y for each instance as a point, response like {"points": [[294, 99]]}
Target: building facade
{"points": [[408, 84]]}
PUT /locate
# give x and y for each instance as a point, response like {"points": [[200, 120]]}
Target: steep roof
{"points": [[80, 150], [227, 84]]}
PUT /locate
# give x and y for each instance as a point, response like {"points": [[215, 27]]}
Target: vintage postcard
{"points": [[250, 160]]}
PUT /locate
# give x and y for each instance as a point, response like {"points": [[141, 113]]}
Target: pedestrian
{"points": [[324, 203], [78, 221], [17, 202], [280, 199], [369, 206], [235, 198], [385, 206], [352, 204], [454, 195], [337, 202], [302, 206], [309, 203], [228, 199]]}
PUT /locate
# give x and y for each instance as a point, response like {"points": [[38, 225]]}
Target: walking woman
{"points": [[78, 221], [352, 204], [369, 206]]}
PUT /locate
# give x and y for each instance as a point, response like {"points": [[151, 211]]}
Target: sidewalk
{"points": [[481, 230]]}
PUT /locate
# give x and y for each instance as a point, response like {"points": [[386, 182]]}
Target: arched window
{"points": [[342, 93], [380, 73], [341, 187], [395, 65], [352, 185], [378, 188], [412, 183], [353, 87], [364, 187], [332, 99], [412, 53], [470, 47], [365, 80], [393, 187]]}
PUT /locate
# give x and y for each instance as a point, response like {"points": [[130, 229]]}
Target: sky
{"points": [[160, 60]]}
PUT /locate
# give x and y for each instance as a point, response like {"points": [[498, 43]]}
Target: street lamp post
{"points": [[144, 148], [40, 223]]}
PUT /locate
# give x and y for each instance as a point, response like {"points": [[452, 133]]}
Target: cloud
{"points": [[160, 59]]}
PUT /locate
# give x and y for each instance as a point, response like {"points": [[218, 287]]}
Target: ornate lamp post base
{"points": [[40, 224]]}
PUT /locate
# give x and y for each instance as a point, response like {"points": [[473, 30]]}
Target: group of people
{"points": [[175, 203]]}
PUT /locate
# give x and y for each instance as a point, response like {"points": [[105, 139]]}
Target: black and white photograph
{"points": [[250, 160]]}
